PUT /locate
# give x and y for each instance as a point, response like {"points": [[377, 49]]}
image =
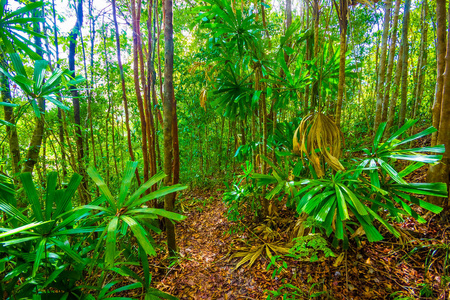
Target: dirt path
{"points": [[204, 270]]}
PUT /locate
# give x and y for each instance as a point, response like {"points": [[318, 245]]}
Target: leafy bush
{"points": [[48, 249], [369, 189]]}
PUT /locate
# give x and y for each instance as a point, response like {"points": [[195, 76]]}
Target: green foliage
{"points": [[124, 213], [47, 250], [242, 195], [39, 86], [308, 247], [365, 192], [14, 29]]}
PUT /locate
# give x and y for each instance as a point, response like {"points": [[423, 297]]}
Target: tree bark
{"points": [[168, 112], [404, 94], [38, 133], [441, 172], [388, 79], [382, 67], [440, 59], [11, 131], [137, 55], [124, 94], [342, 14], [421, 63]]}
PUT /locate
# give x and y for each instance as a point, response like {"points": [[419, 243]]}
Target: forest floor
{"points": [[390, 269]]}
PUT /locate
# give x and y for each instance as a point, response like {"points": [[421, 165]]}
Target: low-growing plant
{"points": [[46, 250]]}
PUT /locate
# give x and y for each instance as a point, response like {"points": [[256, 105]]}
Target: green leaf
{"points": [[40, 67], [50, 195], [160, 212], [342, 206], [140, 235], [126, 180], [390, 170], [356, 202], [67, 250], [13, 212], [110, 252], [22, 229], [39, 251], [61, 205], [378, 136], [8, 104], [30, 190], [159, 193], [95, 176]]}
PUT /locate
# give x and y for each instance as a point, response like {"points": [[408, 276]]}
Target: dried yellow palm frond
{"points": [[251, 254], [299, 229], [195, 66], [318, 137], [203, 97]]}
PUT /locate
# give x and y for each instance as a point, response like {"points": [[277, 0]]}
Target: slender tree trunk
{"points": [[342, 14], [382, 67], [38, 133], [151, 78], [315, 88], [168, 111], [137, 49], [404, 95], [441, 172], [60, 121], [398, 76], [440, 58], [11, 131], [421, 63], [76, 101], [124, 94], [390, 68]]}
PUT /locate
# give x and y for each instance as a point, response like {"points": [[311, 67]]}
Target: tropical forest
{"points": [[224, 149]]}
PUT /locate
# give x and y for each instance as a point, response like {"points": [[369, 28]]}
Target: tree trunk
{"points": [[137, 49], [38, 133], [440, 172], [440, 59], [398, 75], [382, 67], [168, 111], [76, 101], [390, 68], [343, 8], [11, 131], [124, 94], [404, 95], [421, 63]]}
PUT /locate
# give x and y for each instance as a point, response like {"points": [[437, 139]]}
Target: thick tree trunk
{"points": [[404, 95], [382, 67], [343, 8], [168, 111]]}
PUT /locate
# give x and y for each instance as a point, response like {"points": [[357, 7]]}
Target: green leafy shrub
{"points": [[47, 251], [369, 189]]}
